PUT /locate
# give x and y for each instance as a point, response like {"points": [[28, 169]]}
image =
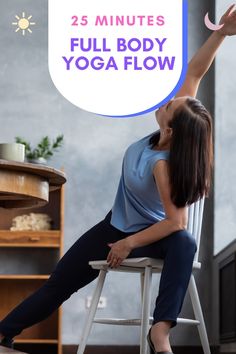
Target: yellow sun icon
{"points": [[23, 23]]}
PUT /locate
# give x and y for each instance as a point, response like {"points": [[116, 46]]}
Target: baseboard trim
{"points": [[113, 349], [228, 347]]}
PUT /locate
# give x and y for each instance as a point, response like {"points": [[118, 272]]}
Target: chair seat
{"points": [[137, 321], [136, 265]]}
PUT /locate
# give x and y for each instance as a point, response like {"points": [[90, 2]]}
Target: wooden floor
{"points": [[112, 349], [72, 349]]}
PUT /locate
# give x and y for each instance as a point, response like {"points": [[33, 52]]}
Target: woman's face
{"points": [[165, 113]]}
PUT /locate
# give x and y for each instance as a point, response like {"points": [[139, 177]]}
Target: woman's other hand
{"points": [[119, 251], [229, 21]]}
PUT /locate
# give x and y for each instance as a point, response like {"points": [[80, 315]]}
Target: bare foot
{"points": [[160, 336]]}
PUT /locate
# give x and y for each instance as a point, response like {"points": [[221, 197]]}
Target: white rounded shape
{"points": [[12, 152], [115, 69]]}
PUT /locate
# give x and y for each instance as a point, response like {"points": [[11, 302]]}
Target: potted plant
{"points": [[43, 151]]}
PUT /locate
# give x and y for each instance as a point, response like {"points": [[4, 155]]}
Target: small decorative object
{"points": [[12, 151], [44, 149], [23, 23], [32, 221]]}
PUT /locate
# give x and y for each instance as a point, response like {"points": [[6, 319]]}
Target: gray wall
{"points": [[92, 156], [225, 160], [225, 147]]}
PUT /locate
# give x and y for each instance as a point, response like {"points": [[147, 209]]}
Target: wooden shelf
{"points": [[43, 245], [37, 341], [26, 185], [23, 276], [49, 238], [39, 251], [30, 232]]}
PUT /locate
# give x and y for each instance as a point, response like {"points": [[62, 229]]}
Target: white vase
{"points": [[12, 151]]}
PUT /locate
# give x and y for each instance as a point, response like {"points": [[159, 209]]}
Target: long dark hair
{"points": [[191, 153]]}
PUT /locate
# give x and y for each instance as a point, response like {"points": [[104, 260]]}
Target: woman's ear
{"points": [[168, 132]]}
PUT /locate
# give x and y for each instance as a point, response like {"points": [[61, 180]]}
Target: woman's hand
{"points": [[202, 60], [229, 21], [119, 251]]}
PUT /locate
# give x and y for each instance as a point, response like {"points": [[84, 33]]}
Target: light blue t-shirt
{"points": [[137, 203]]}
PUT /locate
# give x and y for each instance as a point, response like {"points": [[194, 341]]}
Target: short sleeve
{"points": [[160, 155]]}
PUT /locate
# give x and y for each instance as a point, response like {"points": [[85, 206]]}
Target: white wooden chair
{"points": [[146, 267]]}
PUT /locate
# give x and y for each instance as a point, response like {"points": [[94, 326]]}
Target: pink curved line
{"points": [[211, 25]]}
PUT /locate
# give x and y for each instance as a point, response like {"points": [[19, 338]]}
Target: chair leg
{"points": [[146, 301], [199, 315], [142, 284], [92, 311]]}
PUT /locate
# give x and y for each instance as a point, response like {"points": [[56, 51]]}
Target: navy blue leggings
{"points": [[73, 272]]}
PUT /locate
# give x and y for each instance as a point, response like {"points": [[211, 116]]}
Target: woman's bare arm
{"points": [[176, 219], [202, 60]]}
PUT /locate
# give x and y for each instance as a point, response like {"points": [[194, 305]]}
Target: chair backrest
{"points": [[195, 215]]}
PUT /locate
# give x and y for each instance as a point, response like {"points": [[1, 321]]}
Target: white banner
{"points": [[122, 58]]}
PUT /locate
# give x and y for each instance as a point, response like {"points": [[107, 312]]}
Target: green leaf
{"points": [[19, 140], [43, 149]]}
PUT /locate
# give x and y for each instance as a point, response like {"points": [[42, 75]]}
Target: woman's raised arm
{"points": [[202, 60]]}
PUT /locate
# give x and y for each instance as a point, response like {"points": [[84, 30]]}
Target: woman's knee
{"points": [[184, 240]]}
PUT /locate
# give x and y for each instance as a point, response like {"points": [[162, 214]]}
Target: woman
{"points": [[161, 174]]}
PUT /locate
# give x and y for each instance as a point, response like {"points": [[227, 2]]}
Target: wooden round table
{"points": [[25, 185]]}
